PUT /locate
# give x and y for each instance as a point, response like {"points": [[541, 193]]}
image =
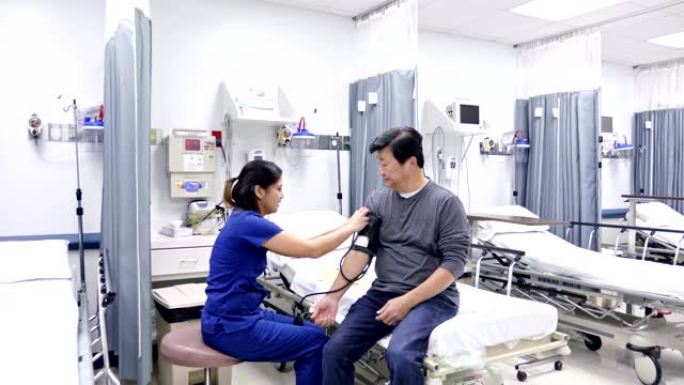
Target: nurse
{"points": [[232, 320]]}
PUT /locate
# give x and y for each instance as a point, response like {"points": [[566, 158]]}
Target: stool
{"points": [[185, 347]]}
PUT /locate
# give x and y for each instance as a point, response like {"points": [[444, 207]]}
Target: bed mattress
{"points": [[545, 252], [39, 325], [484, 319]]}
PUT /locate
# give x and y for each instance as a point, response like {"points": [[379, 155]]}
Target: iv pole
{"points": [[338, 144], [104, 298]]}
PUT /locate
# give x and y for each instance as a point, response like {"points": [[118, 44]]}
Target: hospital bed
{"points": [[660, 228], [489, 327], [587, 287], [39, 327]]}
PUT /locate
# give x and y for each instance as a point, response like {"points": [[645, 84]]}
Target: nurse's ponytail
{"points": [[239, 191]]}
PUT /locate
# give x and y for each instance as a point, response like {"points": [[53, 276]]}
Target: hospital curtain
{"points": [[126, 193], [659, 154], [558, 111], [384, 95], [395, 107], [659, 131], [562, 179]]}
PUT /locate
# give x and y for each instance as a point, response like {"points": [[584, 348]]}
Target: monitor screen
{"points": [[606, 124], [192, 144], [470, 114]]}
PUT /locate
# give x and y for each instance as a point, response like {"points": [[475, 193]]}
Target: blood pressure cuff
{"points": [[368, 239]]}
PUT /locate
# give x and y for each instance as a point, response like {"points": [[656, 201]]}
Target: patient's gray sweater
{"points": [[418, 235]]}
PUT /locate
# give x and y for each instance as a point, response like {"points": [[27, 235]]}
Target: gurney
{"points": [[660, 229], [488, 328], [587, 287], [40, 315]]}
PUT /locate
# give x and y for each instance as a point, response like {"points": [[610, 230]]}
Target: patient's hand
{"points": [[325, 311], [394, 310]]}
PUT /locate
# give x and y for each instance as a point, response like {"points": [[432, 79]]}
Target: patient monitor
{"points": [[191, 163]]}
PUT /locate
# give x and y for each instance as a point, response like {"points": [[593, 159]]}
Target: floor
{"points": [[610, 366]]}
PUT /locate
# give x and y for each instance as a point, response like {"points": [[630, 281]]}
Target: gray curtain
{"points": [[396, 107], [126, 196], [659, 154], [562, 178], [521, 154]]}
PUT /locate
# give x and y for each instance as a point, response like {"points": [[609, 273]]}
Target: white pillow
{"points": [[29, 260], [308, 224], [488, 229], [658, 214]]}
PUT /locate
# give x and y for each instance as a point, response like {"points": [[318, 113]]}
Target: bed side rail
{"points": [[506, 257], [623, 228]]}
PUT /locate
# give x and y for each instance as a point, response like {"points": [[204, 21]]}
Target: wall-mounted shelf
{"points": [[619, 153], [58, 132], [321, 142], [278, 113], [434, 117]]}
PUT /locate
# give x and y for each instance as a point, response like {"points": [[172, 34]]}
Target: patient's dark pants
{"points": [[360, 331]]}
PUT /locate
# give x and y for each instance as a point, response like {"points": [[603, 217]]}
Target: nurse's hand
{"points": [[325, 311], [359, 220]]}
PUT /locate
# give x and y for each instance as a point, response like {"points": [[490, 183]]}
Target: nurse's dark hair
{"points": [[404, 142], [239, 191]]}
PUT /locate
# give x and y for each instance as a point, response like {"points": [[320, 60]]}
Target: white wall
{"points": [[196, 45], [48, 49], [617, 100], [451, 67]]}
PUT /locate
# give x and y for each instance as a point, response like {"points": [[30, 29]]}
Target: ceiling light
{"points": [[675, 40], [556, 10]]}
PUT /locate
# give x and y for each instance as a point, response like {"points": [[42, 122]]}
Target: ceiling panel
{"points": [[348, 8], [448, 15], [677, 10], [354, 7], [624, 41], [501, 25], [616, 10], [652, 3], [647, 26]]}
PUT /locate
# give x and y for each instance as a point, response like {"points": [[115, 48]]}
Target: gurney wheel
{"points": [[648, 369], [592, 342], [558, 365], [522, 376]]}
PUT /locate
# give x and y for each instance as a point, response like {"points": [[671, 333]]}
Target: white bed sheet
{"points": [[545, 252], [39, 323], [484, 318], [27, 260], [658, 214], [39, 332]]}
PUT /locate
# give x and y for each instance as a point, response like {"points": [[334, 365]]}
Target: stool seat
{"points": [[185, 347]]}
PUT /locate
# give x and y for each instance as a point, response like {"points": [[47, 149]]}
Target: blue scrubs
{"points": [[232, 320]]}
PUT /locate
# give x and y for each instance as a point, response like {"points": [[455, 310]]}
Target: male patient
{"points": [[423, 245]]}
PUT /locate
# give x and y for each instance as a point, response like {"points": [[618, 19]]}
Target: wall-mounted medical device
{"points": [[35, 128], [465, 113], [191, 159]]}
